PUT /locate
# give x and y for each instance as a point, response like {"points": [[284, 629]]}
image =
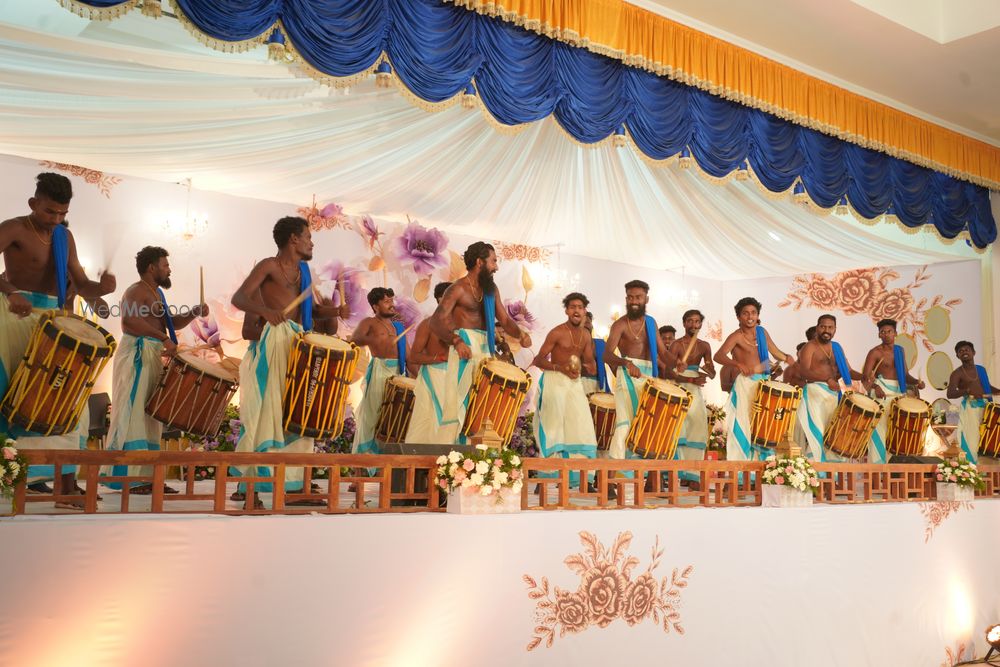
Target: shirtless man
{"points": [[148, 332], [384, 338], [668, 334], [971, 383], [428, 362], [748, 351], [820, 368], [272, 285], [41, 261], [884, 375], [466, 316], [635, 337], [693, 440], [563, 426]]}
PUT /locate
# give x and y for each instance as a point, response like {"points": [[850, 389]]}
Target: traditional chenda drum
{"points": [[602, 410], [658, 418], [851, 427], [320, 369], [192, 395], [772, 415], [907, 425], [397, 408], [989, 431], [50, 387], [498, 391]]}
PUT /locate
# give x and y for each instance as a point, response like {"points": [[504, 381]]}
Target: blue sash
{"points": [[653, 337], [899, 361], [490, 320], [166, 317], [602, 373], [400, 346], [307, 305], [763, 354], [841, 361], [60, 256], [984, 380]]}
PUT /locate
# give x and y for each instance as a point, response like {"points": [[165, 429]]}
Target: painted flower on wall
{"points": [[330, 216], [408, 313], [369, 231], [206, 330], [335, 275], [421, 250], [518, 312]]}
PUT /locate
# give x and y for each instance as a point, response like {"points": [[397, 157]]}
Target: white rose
{"points": [[482, 467], [452, 469], [477, 479], [482, 448], [454, 456], [516, 486], [441, 460], [14, 468], [466, 483], [496, 485], [500, 477], [486, 490], [515, 460]]}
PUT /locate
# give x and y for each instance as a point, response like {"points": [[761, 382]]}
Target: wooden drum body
{"points": [[602, 411], [498, 391], [772, 416], [320, 369], [50, 387], [658, 419], [851, 428], [396, 411], [192, 395], [989, 431], [909, 418]]}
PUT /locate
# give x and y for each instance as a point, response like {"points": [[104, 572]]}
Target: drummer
{"points": [[269, 292], [971, 383], [635, 337], [386, 339], [886, 378], [747, 351], [692, 365], [563, 426], [668, 334], [149, 331], [428, 362], [467, 317], [827, 374], [598, 382], [40, 259]]}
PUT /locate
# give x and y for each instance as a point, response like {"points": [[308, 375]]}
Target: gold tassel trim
{"points": [[220, 44], [99, 13]]}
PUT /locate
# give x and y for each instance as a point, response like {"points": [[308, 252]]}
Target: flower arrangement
{"points": [[13, 467], [960, 472], [339, 445], [522, 440], [796, 472], [486, 471], [223, 441]]}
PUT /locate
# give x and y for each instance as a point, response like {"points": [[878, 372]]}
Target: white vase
{"points": [[779, 495], [952, 491], [470, 501]]}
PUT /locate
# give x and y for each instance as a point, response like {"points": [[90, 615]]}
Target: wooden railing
{"points": [[366, 483]]}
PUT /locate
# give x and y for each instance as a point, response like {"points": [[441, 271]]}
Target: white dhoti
{"points": [[15, 335], [738, 444], [459, 378], [136, 370], [262, 380], [563, 425], [970, 416], [427, 425], [876, 448], [819, 403], [693, 439], [626, 403], [366, 414]]}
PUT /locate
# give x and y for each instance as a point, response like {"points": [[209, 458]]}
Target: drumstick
{"points": [[201, 285], [340, 289], [690, 346], [405, 331], [297, 300]]}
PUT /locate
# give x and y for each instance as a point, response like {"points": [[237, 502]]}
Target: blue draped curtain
{"points": [[438, 49]]}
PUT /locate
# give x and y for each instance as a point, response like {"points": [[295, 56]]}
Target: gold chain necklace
{"points": [[479, 299], [298, 274], [37, 235], [629, 325], [576, 344]]}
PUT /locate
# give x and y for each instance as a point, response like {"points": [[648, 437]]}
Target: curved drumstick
{"points": [[296, 301]]}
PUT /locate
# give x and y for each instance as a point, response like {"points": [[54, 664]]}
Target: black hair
{"points": [[440, 289], [666, 328], [886, 323], [637, 284], [54, 186], [811, 333], [379, 293], [691, 313], [590, 315], [826, 316], [286, 228], [148, 256], [476, 251], [575, 296], [964, 343], [747, 301], [800, 346]]}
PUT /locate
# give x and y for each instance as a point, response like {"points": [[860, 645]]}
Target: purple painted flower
{"points": [[332, 210], [333, 274], [206, 330], [369, 231], [520, 314], [408, 313], [421, 250]]}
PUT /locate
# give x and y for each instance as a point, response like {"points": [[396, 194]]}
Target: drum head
{"points": [[505, 370], [205, 366], [403, 382], [778, 387], [688, 374], [912, 404], [326, 342], [667, 387], [603, 400], [862, 401], [80, 330]]}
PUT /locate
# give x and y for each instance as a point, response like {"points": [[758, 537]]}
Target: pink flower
{"points": [[779, 480], [9, 453], [788, 470], [940, 477], [520, 314], [469, 465], [515, 474], [443, 483], [369, 231], [421, 250], [332, 210], [952, 479], [460, 476], [497, 462], [814, 482], [771, 464]]}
